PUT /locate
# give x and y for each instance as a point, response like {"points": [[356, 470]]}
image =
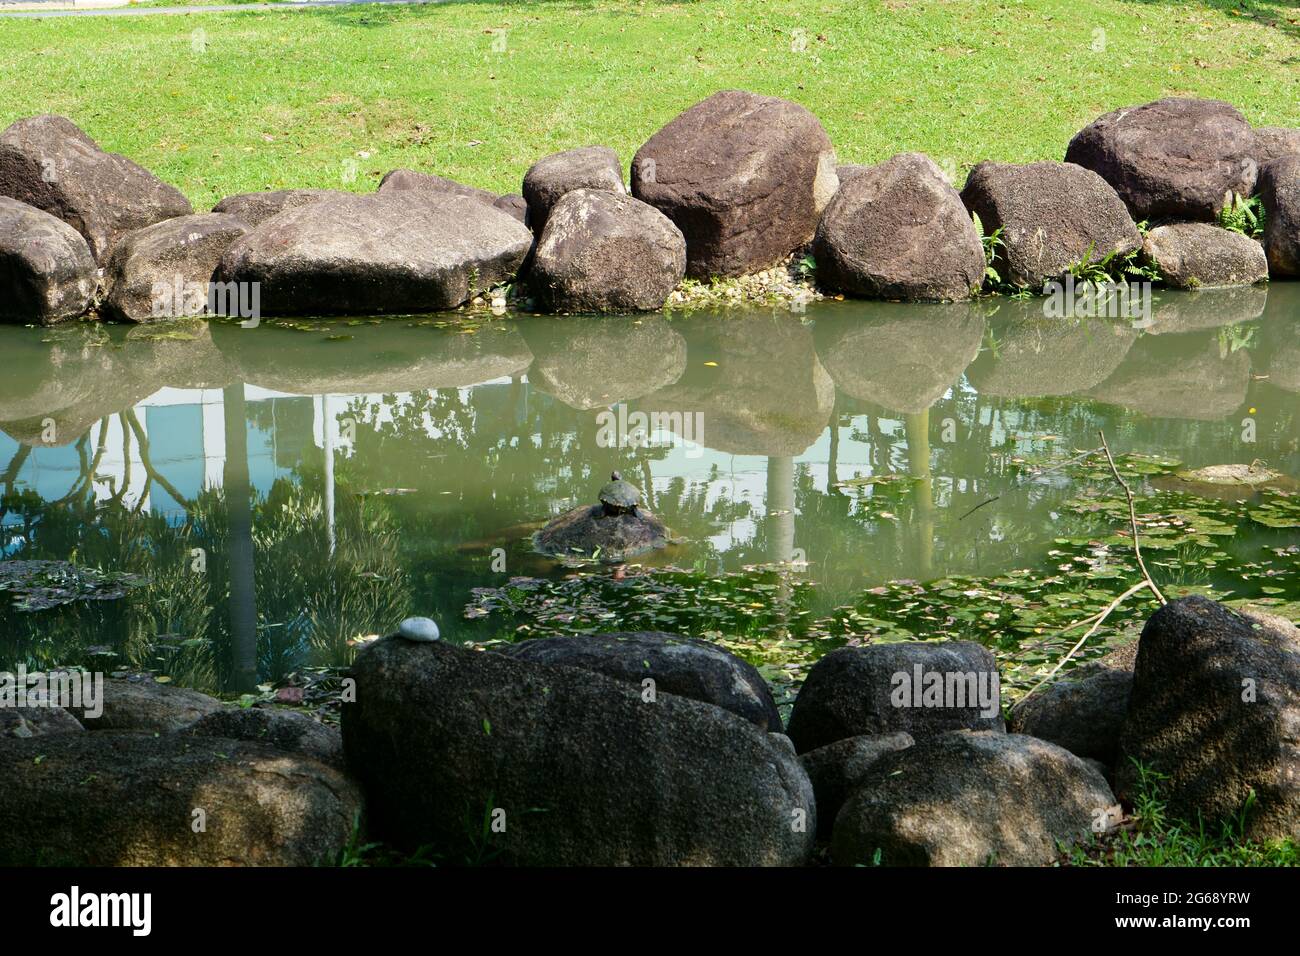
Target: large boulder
{"points": [[255, 208], [1172, 159], [407, 179], [49, 163], [285, 730], [1052, 216], [145, 705], [745, 178], [1279, 191], [130, 799], [1194, 255], [972, 799], [606, 252], [922, 688], [553, 177], [685, 666], [572, 767], [164, 271], [47, 272], [1274, 142], [399, 251], [899, 231], [1215, 709], [837, 770]]}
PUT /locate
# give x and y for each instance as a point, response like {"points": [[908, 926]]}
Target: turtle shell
{"points": [[620, 494]]}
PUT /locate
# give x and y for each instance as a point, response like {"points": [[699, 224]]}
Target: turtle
{"points": [[620, 497]]}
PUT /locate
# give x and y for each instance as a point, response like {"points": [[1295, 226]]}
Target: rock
{"points": [[971, 799], [1083, 712], [846, 171], [552, 177], [588, 532], [882, 688], [1172, 159], [837, 769], [1279, 191], [1178, 376], [1038, 356], [684, 666], [578, 766], [406, 179], [49, 163], [419, 629], [606, 252], [397, 251], [514, 205], [904, 360], [1215, 707], [1193, 255], [47, 272], [147, 705], [255, 208], [1052, 216], [261, 806], [744, 177], [899, 231], [1274, 142], [22, 722], [164, 271], [590, 363], [286, 730]]}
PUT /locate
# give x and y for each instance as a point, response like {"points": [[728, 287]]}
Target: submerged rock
{"points": [[47, 272], [615, 529], [744, 177], [899, 231], [837, 770], [918, 687], [684, 666], [971, 799], [1195, 255], [575, 768], [1175, 158], [49, 163], [1215, 707]]}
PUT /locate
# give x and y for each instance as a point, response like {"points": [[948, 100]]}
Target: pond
{"points": [[851, 471]]}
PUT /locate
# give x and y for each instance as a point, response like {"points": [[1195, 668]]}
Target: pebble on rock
{"points": [[420, 629]]}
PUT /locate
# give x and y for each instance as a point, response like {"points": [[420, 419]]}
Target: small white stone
{"points": [[421, 629]]}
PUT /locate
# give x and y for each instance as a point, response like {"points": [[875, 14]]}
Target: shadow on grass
{"points": [[1283, 15]]}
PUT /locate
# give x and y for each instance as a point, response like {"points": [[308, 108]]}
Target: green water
{"points": [[395, 465]]}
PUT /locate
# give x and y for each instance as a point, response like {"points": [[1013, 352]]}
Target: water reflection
{"points": [[336, 476]]}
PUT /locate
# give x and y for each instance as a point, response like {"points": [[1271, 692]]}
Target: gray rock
{"points": [[684, 666], [148, 706], [1194, 255], [589, 532], [1052, 216], [1279, 191], [837, 770], [1215, 708], [397, 251], [553, 177], [47, 162], [47, 272], [584, 771], [419, 629], [745, 178], [402, 179], [514, 205], [606, 252], [23, 722], [255, 208], [874, 690], [285, 730], [164, 271], [970, 799], [1172, 159], [899, 231], [1274, 142], [1084, 713], [129, 799]]}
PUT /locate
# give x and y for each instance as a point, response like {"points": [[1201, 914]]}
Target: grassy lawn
{"points": [[335, 98]]}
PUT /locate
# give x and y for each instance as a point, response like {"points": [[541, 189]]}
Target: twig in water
{"points": [[1132, 517]]}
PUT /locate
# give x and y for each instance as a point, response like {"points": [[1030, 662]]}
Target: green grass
{"points": [[295, 98]]}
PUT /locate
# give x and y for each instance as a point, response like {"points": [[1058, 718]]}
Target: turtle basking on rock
{"points": [[613, 530]]}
